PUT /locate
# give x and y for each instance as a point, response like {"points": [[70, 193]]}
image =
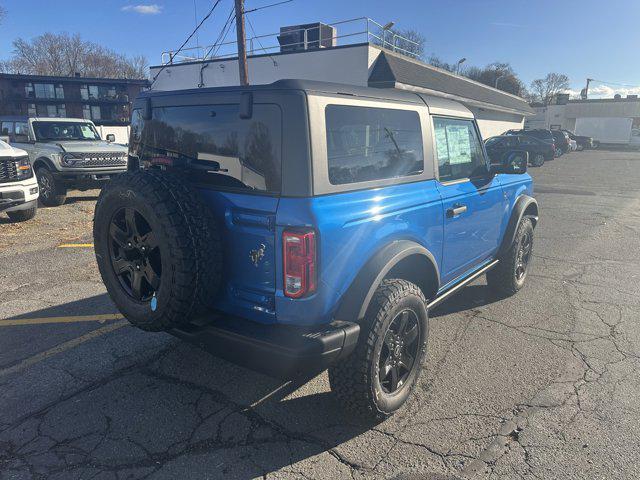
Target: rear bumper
{"points": [[281, 351]]}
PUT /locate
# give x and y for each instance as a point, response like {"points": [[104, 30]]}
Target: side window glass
{"points": [[21, 132], [458, 149], [6, 129], [365, 143]]}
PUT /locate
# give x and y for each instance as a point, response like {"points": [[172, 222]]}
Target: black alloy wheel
{"points": [[399, 351], [45, 187], [524, 255], [135, 254]]}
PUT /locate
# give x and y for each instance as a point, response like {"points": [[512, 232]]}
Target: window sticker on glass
{"points": [[459, 144], [442, 147]]}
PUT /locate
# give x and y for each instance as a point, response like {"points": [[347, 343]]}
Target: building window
{"points": [[31, 110], [48, 110], [28, 90], [91, 112], [59, 91], [99, 92]]}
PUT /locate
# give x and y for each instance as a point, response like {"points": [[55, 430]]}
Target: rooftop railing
{"points": [[352, 31]]}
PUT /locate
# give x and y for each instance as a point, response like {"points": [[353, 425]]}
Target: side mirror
{"points": [[4, 138], [513, 162], [111, 137]]}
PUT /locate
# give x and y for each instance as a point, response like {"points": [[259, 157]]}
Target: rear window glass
{"points": [[365, 144], [214, 144]]}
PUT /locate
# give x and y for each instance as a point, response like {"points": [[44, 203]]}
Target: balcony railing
{"points": [[352, 31]]}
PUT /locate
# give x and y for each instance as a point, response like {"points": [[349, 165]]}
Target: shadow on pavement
{"points": [[471, 296], [153, 406]]}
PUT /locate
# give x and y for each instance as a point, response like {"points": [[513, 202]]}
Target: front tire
{"points": [[23, 215], [509, 276], [52, 193], [380, 375]]}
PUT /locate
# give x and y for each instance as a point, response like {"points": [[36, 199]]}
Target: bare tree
{"points": [[438, 62], [408, 42], [544, 89], [65, 55], [499, 75]]}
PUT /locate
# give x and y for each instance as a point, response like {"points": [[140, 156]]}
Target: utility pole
{"points": [[242, 45]]}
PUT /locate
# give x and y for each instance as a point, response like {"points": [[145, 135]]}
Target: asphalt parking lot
{"points": [[541, 385]]}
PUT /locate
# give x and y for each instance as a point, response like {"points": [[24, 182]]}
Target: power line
{"points": [[275, 64], [267, 6], [223, 34], [204, 19], [613, 83]]}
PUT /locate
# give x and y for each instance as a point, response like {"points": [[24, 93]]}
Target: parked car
{"points": [[18, 185], [539, 133], [573, 145], [538, 150], [324, 247], [581, 140], [65, 153], [561, 141]]}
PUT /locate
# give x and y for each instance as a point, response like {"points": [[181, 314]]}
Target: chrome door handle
{"points": [[456, 210]]}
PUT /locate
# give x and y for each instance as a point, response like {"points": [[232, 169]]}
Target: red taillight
{"points": [[299, 263]]}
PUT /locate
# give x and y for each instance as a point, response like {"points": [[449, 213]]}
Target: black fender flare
{"points": [[525, 206], [47, 162], [355, 301]]}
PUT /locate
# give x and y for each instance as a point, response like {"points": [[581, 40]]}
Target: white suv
{"points": [[66, 153], [18, 184]]}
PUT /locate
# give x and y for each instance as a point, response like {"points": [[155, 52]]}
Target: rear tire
{"points": [[509, 276], [391, 348], [22, 215], [538, 160], [52, 193], [158, 249]]}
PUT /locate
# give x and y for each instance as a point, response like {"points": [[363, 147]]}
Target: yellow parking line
{"points": [[78, 318], [61, 348], [75, 245]]}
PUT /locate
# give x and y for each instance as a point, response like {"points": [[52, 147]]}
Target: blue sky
{"points": [[582, 38]]}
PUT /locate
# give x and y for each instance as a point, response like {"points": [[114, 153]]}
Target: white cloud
{"points": [[143, 9], [605, 91]]}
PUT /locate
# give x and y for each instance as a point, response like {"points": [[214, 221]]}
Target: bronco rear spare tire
{"points": [[157, 247]]}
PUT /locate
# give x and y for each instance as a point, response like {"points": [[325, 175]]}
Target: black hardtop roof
{"points": [[301, 85]]}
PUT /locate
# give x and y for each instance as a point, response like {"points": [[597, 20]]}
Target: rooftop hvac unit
{"points": [[309, 36]]}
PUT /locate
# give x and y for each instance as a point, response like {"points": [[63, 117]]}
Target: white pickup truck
{"points": [[18, 185]]}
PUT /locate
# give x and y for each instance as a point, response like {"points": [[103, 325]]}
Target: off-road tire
{"points": [[502, 279], [355, 381], [188, 241], [52, 193], [538, 160], [22, 215]]}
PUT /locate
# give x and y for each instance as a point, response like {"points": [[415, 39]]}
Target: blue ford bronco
{"points": [[300, 226]]}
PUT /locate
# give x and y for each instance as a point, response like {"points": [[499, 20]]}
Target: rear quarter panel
{"points": [[351, 228]]}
